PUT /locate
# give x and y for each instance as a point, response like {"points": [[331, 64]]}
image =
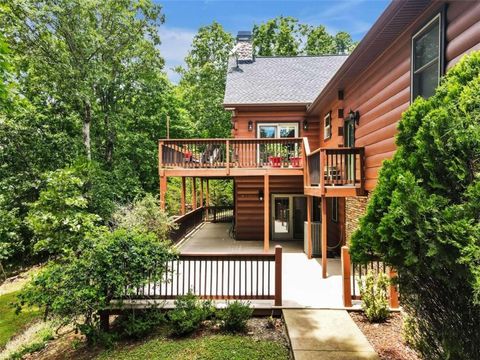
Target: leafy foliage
{"points": [[59, 218], [286, 36], [374, 296], [234, 317], [202, 86], [145, 216], [188, 315], [77, 288], [424, 215], [137, 324]]}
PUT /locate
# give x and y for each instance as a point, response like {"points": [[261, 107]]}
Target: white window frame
{"points": [[437, 18], [277, 125], [327, 129]]}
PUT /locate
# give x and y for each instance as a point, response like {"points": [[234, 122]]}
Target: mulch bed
{"points": [[386, 338]]}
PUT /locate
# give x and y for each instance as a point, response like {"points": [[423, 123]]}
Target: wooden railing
{"points": [[219, 213], [218, 276], [352, 273], [231, 153], [186, 223], [336, 167]]}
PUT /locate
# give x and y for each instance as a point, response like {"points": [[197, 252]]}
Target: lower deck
{"points": [[303, 285]]}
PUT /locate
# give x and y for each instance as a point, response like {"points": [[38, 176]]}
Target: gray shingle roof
{"points": [[280, 80]]}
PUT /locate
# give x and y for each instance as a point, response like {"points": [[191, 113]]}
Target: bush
{"points": [[188, 315], [137, 324], [234, 317], [77, 287], [423, 216], [144, 215], [373, 291]]}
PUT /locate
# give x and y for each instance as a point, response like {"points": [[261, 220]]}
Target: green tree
{"points": [[89, 54], [59, 219], [202, 84], [77, 288], [424, 215], [286, 36], [277, 37]]}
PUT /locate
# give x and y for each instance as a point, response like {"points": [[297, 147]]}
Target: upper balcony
{"points": [[335, 172], [231, 157]]}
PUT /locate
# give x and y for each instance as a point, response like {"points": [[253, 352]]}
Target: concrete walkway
{"points": [[326, 335]]}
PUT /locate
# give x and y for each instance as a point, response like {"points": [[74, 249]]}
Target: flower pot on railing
{"points": [[295, 161], [187, 156], [275, 161]]}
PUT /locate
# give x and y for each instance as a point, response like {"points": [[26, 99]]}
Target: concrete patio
{"points": [[303, 286]]}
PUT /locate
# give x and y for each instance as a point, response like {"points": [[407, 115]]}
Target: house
{"points": [[309, 134]]}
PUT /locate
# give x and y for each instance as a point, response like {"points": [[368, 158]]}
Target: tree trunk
{"points": [[87, 118], [109, 141]]}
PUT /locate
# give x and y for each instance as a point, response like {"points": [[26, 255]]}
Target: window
{"points": [[334, 207], [327, 126], [273, 130], [427, 58]]}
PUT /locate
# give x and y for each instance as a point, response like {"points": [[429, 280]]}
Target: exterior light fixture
{"points": [[305, 125], [250, 125], [260, 195], [354, 116]]}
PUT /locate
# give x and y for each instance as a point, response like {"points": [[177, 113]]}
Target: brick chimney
{"points": [[244, 48]]}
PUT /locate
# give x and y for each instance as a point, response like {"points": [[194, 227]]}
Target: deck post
{"points": [[322, 172], [393, 292], [163, 191], [309, 226], [207, 198], [266, 213], [324, 237], [201, 192], [194, 193], [182, 197], [346, 277], [104, 320], [278, 275]]}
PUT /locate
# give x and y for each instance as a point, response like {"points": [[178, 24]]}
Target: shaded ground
{"points": [[261, 341], [386, 338]]}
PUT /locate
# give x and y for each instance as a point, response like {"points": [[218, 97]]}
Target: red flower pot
{"points": [[295, 161], [275, 161]]}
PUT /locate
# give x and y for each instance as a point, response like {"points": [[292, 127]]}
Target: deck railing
{"points": [[231, 153], [218, 276], [352, 273], [186, 223], [336, 167]]}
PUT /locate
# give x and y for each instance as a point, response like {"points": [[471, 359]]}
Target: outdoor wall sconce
{"points": [[354, 116], [260, 195], [305, 125], [250, 125]]}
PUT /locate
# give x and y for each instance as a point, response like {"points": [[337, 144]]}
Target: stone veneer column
{"points": [[355, 208]]}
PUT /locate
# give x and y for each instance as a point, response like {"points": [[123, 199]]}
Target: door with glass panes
{"points": [[282, 152]]}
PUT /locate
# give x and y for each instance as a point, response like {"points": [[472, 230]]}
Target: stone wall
{"points": [[354, 209]]}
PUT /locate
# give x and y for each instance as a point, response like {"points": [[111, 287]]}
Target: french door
{"points": [[288, 212], [276, 131]]}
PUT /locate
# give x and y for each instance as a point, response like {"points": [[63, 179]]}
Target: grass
{"points": [[211, 347], [10, 323]]}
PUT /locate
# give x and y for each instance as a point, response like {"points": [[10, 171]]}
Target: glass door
{"points": [[288, 212], [275, 153], [281, 217]]}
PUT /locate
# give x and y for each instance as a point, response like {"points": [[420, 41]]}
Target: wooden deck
{"points": [[303, 285]]}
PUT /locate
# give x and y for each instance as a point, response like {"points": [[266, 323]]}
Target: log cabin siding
{"points": [[249, 209], [381, 93]]}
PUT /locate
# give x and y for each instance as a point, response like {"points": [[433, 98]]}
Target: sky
{"points": [[184, 17]]}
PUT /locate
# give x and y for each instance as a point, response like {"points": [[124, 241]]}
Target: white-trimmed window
{"points": [[277, 130], [427, 58], [327, 126]]}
